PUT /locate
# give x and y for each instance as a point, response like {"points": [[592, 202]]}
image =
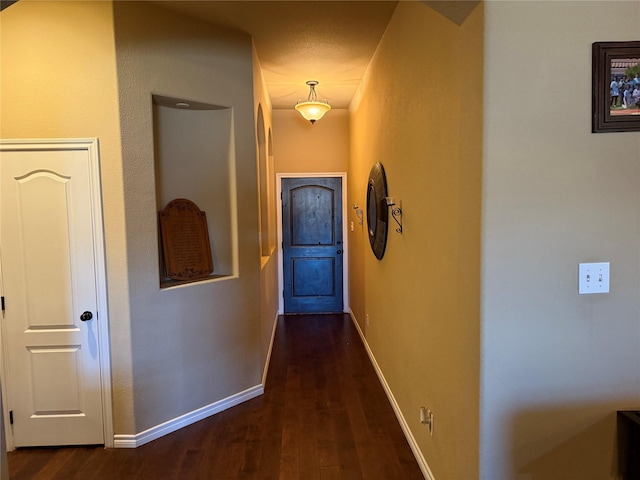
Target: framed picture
{"points": [[616, 87]]}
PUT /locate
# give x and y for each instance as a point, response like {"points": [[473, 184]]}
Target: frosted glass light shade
{"points": [[312, 111]]}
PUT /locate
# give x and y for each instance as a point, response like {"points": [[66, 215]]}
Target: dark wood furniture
{"points": [[629, 444]]}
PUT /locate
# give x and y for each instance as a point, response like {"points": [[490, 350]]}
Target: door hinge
{"points": [[11, 417], [3, 304]]}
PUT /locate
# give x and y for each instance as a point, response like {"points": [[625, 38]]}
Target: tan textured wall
{"points": [[556, 365], [299, 146], [269, 264], [414, 114], [59, 81], [199, 343]]}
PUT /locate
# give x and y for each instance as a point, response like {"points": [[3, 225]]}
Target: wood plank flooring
{"points": [[323, 416]]}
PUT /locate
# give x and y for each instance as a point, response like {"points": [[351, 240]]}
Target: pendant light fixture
{"points": [[312, 109]]}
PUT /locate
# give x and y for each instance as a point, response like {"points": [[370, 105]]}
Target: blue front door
{"points": [[312, 244]]}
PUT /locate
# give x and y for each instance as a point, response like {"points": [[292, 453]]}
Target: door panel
{"points": [[312, 209], [49, 277], [55, 380], [40, 198], [313, 276], [312, 244]]}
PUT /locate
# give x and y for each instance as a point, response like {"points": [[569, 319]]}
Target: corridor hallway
{"points": [[323, 415]]}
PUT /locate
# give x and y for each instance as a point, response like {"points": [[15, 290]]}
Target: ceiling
{"points": [[296, 41], [331, 41]]}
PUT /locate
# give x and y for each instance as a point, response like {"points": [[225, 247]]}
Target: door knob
{"points": [[339, 252], [86, 316]]}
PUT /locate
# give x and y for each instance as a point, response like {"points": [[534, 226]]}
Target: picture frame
{"points": [[615, 108]]}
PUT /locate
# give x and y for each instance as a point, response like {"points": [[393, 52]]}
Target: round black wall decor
{"points": [[377, 211]]}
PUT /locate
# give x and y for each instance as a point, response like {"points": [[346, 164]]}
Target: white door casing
{"points": [[345, 242], [56, 366]]}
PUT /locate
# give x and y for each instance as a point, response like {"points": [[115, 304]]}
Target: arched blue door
{"points": [[312, 244]]}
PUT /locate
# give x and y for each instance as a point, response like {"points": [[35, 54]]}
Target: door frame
{"points": [[345, 237], [91, 146]]}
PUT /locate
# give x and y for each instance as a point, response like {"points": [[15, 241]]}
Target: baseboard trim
{"points": [[134, 441], [268, 360], [422, 462]]}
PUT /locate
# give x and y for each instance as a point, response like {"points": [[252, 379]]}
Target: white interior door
{"points": [[49, 277]]}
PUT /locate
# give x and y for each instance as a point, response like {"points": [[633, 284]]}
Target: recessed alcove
{"points": [[195, 159]]}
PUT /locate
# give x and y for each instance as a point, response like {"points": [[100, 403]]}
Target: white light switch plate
{"points": [[593, 278]]}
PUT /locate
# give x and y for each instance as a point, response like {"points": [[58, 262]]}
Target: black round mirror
{"points": [[372, 210], [377, 213]]}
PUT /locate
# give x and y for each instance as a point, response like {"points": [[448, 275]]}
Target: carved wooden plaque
{"points": [[185, 241]]}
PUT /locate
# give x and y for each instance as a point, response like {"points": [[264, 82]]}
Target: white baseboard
{"points": [[133, 441], [268, 360], [422, 462], [139, 439]]}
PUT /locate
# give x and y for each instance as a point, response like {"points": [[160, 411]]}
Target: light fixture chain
{"points": [[313, 97]]}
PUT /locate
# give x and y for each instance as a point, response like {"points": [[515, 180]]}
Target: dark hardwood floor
{"points": [[324, 415]]}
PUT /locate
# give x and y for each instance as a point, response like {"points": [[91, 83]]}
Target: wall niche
{"points": [[195, 160]]}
